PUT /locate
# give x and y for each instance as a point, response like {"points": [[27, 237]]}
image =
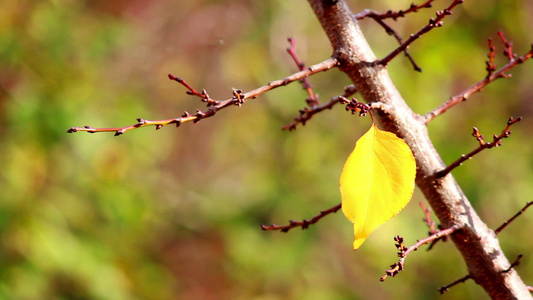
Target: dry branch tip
{"points": [[304, 224], [496, 142]]}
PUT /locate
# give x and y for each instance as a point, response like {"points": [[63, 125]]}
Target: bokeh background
{"points": [[175, 213]]}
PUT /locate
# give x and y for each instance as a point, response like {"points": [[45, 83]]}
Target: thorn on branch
{"points": [[515, 263], [506, 223], [304, 224], [496, 142], [445, 288]]}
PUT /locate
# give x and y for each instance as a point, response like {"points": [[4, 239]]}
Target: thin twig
{"points": [[437, 22], [444, 289], [312, 99], [191, 91], [307, 113], [427, 218], [378, 17], [390, 31], [304, 224], [508, 50], [502, 227], [393, 14], [478, 86], [491, 66], [431, 224], [497, 141], [515, 263], [238, 99], [404, 251]]}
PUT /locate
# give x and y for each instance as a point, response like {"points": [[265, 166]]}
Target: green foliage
{"points": [[175, 213]]}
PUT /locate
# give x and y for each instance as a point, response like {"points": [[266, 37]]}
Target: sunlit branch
{"points": [[238, 99], [379, 17], [433, 23], [403, 251], [496, 142], [478, 86]]}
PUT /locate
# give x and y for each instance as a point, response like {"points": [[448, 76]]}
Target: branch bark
{"points": [[476, 242]]}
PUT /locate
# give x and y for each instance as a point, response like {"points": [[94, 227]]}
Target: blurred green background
{"points": [[175, 213]]}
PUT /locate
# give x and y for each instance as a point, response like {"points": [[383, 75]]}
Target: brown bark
{"points": [[476, 242]]}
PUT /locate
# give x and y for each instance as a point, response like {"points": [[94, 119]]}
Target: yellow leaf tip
{"points": [[358, 242]]}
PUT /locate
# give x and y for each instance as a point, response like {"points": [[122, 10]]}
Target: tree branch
{"points": [[433, 23], [238, 99], [502, 227], [307, 113], [476, 242], [403, 251], [304, 224], [393, 14], [497, 141], [447, 287], [378, 17], [312, 99], [478, 86]]}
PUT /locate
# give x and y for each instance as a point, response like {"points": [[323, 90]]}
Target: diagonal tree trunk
{"points": [[476, 242]]}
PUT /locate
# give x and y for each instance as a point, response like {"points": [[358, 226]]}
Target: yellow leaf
{"points": [[377, 181]]}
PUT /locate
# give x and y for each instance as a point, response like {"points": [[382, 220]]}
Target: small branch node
{"points": [[238, 97], [355, 106], [307, 113]]}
